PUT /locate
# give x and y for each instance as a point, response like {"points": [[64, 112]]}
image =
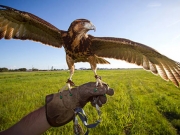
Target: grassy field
{"points": [[143, 104]]}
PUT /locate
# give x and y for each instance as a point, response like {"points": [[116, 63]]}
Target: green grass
{"points": [[143, 104]]}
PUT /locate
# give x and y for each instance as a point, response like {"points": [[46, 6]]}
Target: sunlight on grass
{"points": [[143, 104]]}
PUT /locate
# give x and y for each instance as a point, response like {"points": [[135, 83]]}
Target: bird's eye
{"points": [[82, 23]]}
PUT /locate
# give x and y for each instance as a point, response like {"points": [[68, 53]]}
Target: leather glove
{"points": [[60, 106]]}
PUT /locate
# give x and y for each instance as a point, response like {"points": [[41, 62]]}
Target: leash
{"points": [[80, 112]]}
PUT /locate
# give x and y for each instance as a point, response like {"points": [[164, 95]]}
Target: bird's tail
{"points": [[100, 60]]}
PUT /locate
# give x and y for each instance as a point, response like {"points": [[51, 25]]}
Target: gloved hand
{"points": [[60, 106]]}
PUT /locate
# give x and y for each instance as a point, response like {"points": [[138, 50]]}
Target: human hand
{"points": [[60, 106]]}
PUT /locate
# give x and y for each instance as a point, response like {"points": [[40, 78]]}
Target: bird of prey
{"points": [[81, 47]]}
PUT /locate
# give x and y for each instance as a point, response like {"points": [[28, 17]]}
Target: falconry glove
{"points": [[60, 106]]}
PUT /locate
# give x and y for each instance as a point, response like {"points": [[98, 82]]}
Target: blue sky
{"points": [[153, 23]]}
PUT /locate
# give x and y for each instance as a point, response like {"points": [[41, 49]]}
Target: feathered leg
{"points": [[93, 65], [70, 63]]}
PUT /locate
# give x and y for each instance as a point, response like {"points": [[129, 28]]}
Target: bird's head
{"points": [[81, 26]]}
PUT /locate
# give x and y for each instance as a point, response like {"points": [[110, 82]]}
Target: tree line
{"points": [[4, 69]]}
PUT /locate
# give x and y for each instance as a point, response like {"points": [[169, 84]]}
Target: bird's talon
{"points": [[71, 83], [97, 77], [98, 82]]}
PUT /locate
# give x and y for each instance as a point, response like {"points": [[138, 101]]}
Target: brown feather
{"points": [[142, 55], [23, 25], [81, 47]]}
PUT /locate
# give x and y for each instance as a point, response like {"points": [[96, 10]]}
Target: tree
{"points": [[3, 69], [35, 69], [22, 69]]}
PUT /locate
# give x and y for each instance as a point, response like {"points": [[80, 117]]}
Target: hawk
{"points": [[81, 47]]}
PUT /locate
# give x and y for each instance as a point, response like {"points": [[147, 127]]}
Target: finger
{"points": [[91, 86], [98, 91], [98, 102], [103, 99], [110, 92], [106, 89], [89, 90], [92, 103]]}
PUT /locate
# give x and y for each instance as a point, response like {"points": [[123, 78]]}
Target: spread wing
{"points": [[22, 25], [142, 55]]}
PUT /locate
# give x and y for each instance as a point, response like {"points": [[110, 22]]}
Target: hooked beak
{"points": [[90, 26]]}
